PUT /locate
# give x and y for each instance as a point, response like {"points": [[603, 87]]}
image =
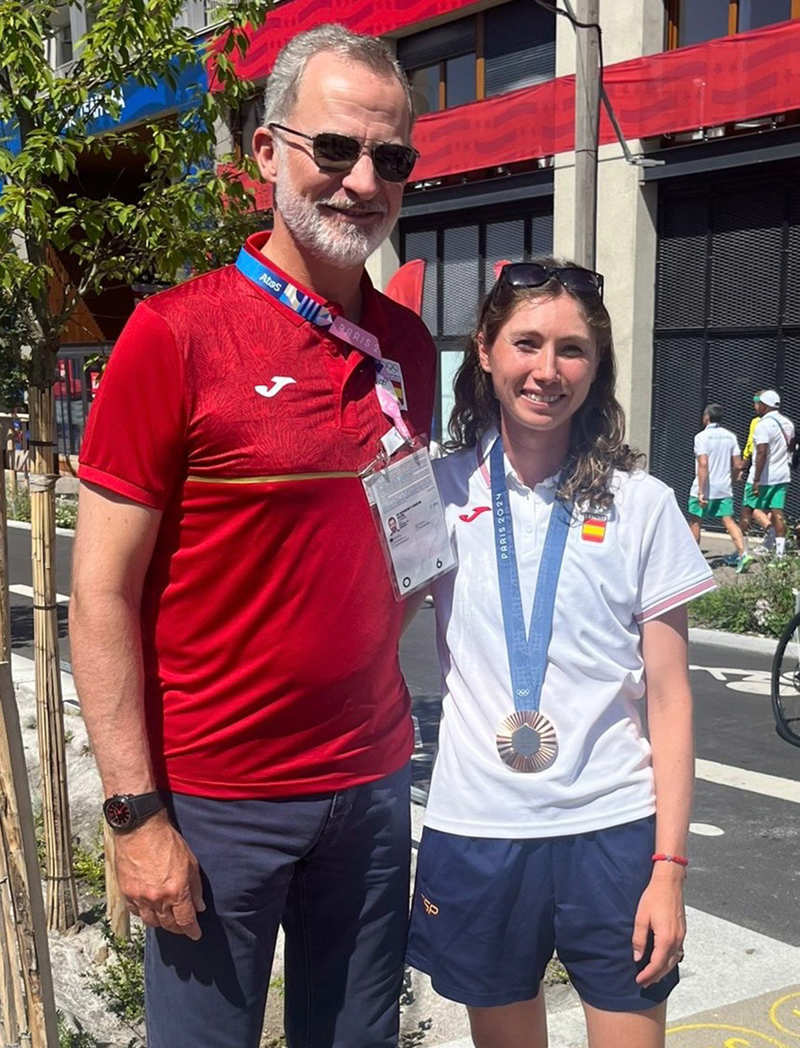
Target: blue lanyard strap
{"points": [[527, 655], [268, 280]]}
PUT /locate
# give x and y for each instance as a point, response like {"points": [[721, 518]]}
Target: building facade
{"points": [[698, 212]]}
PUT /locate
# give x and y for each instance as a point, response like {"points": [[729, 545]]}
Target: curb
{"points": [[25, 526], [741, 641]]}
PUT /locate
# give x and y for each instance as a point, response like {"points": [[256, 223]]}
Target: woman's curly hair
{"points": [[597, 446]]}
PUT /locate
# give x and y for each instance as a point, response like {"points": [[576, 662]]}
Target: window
{"points": [[460, 251], [505, 48], [690, 22], [520, 46]]}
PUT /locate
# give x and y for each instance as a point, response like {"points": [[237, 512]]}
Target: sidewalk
{"points": [[734, 984], [738, 988]]}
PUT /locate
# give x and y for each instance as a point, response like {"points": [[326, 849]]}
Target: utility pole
{"points": [[587, 116]]}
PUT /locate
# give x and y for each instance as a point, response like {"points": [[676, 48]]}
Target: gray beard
{"points": [[341, 245]]}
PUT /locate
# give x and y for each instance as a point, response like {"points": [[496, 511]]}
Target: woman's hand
{"points": [[661, 911]]}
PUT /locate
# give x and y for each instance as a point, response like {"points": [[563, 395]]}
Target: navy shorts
{"points": [[487, 915], [333, 869]]}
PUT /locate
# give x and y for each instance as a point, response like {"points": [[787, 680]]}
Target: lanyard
{"points": [[527, 656], [312, 310]]}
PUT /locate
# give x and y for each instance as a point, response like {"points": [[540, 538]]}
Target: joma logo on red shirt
{"points": [[469, 517]]}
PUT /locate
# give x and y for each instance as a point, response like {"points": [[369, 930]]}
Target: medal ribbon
{"points": [[527, 656], [312, 310]]}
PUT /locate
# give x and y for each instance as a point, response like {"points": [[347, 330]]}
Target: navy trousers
{"points": [[334, 869]]}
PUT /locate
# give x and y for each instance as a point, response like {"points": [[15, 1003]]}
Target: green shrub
{"points": [[77, 1037], [761, 601], [66, 511], [89, 865], [18, 507], [120, 982]]}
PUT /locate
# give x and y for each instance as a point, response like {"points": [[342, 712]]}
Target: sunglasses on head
{"points": [[576, 279], [392, 161]]}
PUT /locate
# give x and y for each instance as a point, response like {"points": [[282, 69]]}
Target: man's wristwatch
{"points": [[126, 811]]}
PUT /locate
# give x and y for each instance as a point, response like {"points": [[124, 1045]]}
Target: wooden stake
{"points": [[117, 912], [19, 845], [62, 897]]}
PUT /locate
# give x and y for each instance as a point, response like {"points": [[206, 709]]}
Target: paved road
{"points": [[743, 886], [751, 860]]}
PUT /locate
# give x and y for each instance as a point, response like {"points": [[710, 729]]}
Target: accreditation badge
{"points": [[409, 517]]}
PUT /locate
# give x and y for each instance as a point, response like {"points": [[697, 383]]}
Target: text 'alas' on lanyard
{"points": [[526, 740], [312, 310]]}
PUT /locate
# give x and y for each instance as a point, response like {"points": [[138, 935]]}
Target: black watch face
{"points": [[119, 813]]}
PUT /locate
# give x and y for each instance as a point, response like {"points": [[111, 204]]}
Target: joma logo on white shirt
{"points": [[277, 383]]}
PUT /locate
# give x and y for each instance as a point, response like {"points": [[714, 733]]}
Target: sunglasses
{"points": [[576, 279], [333, 152]]}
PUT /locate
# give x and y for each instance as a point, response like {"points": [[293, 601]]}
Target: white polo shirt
{"points": [[720, 445], [775, 430], [646, 564]]}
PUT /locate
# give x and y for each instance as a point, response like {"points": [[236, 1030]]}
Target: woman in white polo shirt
{"points": [[552, 821]]}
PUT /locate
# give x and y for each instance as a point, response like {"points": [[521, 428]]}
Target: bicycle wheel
{"points": [[786, 683]]}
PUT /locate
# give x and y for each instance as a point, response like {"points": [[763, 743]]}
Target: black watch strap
{"points": [[126, 811]]}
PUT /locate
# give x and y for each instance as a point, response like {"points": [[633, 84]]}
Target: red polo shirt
{"points": [[269, 627]]}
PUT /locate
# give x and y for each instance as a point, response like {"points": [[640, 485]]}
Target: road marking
{"points": [[27, 591], [755, 682], [705, 829], [754, 781]]}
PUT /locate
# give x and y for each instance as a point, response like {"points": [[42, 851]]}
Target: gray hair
{"points": [[284, 80]]}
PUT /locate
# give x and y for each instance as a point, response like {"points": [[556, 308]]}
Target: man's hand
{"points": [[702, 499], [660, 910], [160, 877], [755, 488]]}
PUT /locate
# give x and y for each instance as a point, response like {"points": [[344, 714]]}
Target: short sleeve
{"points": [[761, 432], [736, 449], [135, 435], [672, 570], [700, 444]]}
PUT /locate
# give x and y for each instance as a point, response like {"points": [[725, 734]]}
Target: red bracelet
{"points": [[661, 857]]}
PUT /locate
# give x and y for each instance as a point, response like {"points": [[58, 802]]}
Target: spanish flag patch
{"points": [[594, 529]]}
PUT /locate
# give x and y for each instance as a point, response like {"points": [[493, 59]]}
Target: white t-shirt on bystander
{"points": [[720, 445], [777, 431]]}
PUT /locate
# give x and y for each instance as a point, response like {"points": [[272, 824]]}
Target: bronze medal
{"points": [[526, 741]]}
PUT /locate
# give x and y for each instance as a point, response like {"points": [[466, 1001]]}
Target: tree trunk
{"points": [[62, 898], [28, 1004]]}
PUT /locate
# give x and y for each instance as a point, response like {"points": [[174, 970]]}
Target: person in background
{"points": [[748, 514], [234, 630], [770, 472], [717, 461], [554, 820]]}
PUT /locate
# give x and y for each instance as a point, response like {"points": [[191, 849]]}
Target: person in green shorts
{"points": [[749, 513], [717, 460], [770, 473]]}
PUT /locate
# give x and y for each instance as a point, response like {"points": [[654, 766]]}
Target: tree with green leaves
{"points": [[62, 238]]}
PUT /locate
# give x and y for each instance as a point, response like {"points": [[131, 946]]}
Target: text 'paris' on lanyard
{"points": [[526, 740], [307, 307]]}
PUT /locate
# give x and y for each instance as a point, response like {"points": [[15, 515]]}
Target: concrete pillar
{"points": [[626, 214]]}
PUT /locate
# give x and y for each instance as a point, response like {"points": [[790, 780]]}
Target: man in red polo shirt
{"points": [[234, 631]]}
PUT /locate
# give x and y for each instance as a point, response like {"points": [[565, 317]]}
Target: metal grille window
{"points": [[460, 255], [727, 311]]}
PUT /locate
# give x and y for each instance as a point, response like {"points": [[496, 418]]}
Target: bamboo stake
{"points": [[117, 912], [62, 898]]}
